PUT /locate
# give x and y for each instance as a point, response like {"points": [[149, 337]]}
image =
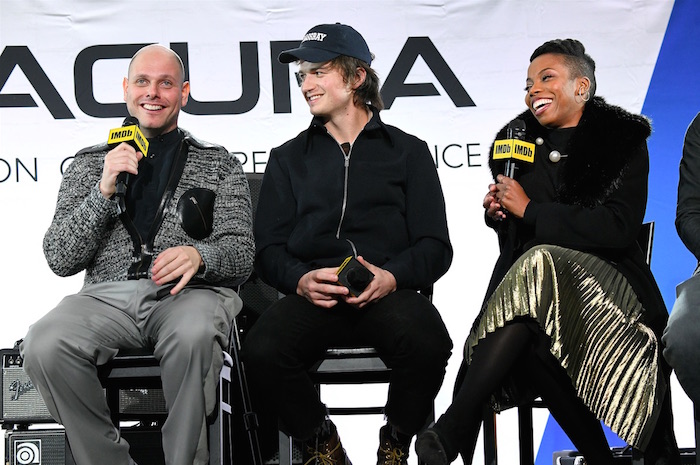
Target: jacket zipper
{"points": [[198, 208], [345, 187]]}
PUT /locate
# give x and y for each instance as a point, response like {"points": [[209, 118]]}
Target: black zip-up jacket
{"points": [[383, 201]]}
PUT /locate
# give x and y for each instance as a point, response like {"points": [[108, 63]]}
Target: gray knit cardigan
{"points": [[87, 234]]}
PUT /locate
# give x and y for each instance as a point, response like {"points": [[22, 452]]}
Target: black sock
{"points": [[322, 433], [401, 438]]}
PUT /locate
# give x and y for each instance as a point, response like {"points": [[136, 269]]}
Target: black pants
{"points": [[289, 337]]}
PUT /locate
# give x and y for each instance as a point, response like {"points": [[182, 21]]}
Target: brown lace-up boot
{"points": [[325, 448], [393, 447]]}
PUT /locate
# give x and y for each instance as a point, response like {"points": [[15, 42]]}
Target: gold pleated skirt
{"points": [[591, 315]]}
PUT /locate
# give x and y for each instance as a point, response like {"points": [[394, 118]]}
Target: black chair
{"points": [[345, 365], [358, 365], [134, 394], [645, 239], [256, 295]]}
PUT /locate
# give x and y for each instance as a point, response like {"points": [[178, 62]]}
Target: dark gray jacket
{"points": [[688, 209]]}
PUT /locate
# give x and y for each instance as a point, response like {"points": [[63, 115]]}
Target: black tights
{"points": [[507, 351]]}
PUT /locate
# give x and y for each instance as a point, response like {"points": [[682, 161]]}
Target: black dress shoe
{"points": [[430, 449]]}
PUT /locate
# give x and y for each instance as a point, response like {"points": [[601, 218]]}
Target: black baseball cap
{"points": [[327, 41]]}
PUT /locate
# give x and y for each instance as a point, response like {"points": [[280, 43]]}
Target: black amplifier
{"points": [[50, 447], [37, 447], [21, 402]]}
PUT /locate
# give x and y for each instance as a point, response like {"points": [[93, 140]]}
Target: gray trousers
{"points": [[681, 337], [187, 332]]}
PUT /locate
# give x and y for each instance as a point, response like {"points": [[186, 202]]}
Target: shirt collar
{"points": [[375, 123]]}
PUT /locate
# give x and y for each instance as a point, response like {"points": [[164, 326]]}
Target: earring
{"points": [[585, 97]]}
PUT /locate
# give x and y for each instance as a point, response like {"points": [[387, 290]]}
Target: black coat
{"points": [[593, 200]]}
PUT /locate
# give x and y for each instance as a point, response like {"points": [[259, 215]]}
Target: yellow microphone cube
{"points": [[524, 151], [503, 149], [514, 148], [130, 134]]}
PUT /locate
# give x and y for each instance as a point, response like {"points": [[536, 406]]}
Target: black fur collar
{"points": [[599, 150]]}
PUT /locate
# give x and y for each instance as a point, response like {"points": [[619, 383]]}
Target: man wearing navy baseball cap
{"points": [[348, 188]]}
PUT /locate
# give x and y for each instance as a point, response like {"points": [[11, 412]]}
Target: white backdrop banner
{"points": [[453, 73]]}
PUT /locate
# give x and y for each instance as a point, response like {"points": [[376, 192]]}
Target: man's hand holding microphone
{"points": [[129, 146]]}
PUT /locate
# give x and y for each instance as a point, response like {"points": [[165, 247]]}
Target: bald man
{"points": [[160, 263]]}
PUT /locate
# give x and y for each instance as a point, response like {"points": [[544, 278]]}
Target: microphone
{"points": [[132, 135], [513, 148]]}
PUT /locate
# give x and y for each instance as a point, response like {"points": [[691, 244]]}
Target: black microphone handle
{"points": [[123, 178], [514, 130], [122, 183], [510, 168]]}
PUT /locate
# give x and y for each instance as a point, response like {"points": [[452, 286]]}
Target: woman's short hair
{"points": [[575, 58], [368, 92]]}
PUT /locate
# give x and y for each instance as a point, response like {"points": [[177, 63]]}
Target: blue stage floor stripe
{"points": [[672, 101]]}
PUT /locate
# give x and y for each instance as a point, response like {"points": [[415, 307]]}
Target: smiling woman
{"points": [[571, 315], [558, 86]]}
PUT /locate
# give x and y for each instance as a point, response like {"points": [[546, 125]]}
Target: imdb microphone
{"points": [[513, 148], [130, 133]]}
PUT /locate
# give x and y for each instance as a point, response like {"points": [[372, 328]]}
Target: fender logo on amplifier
{"points": [[18, 388]]}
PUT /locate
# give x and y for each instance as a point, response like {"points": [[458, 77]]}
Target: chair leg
{"points": [[527, 450], [490, 450], [285, 446], [250, 419], [696, 416], [637, 457], [220, 440]]}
